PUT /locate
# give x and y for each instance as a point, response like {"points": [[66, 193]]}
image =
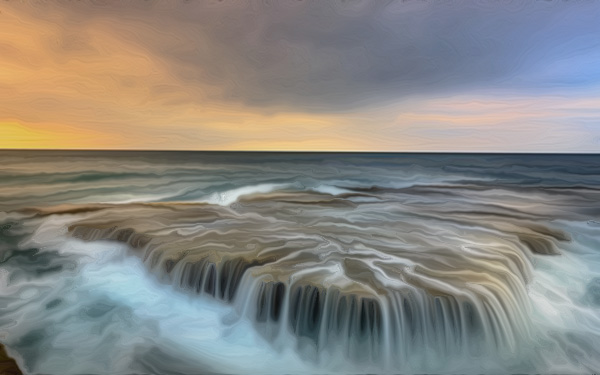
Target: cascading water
{"points": [[396, 265]]}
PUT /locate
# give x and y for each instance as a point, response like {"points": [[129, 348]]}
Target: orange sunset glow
{"points": [[171, 76]]}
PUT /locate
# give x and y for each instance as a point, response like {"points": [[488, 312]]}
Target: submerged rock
{"points": [[366, 276], [8, 366]]}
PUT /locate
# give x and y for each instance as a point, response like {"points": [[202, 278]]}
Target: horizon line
{"points": [[495, 152]]}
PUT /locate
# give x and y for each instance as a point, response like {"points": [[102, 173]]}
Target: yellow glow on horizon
{"points": [[50, 136]]}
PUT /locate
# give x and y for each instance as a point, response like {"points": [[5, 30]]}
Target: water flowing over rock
{"points": [[376, 274], [186, 263]]}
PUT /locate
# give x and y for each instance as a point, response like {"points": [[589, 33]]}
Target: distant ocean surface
{"points": [[299, 263]]}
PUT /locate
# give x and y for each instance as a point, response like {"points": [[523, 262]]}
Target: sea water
{"points": [[292, 263]]}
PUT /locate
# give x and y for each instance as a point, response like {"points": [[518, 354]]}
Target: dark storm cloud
{"points": [[322, 56]]}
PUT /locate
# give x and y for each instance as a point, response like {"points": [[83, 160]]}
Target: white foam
{"points": [[228, 197], [330, 189], [151, 315]]}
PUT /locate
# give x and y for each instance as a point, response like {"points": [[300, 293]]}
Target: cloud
{"points": [[301, 75], [336, 56], [479, 122]]}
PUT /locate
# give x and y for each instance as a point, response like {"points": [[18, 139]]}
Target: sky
{"points": [[298, 75]]}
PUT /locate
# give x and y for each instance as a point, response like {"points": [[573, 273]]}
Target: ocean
{"points": [[131, 262]]}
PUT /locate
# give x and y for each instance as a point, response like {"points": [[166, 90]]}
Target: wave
{"points": [[226, 198]]}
